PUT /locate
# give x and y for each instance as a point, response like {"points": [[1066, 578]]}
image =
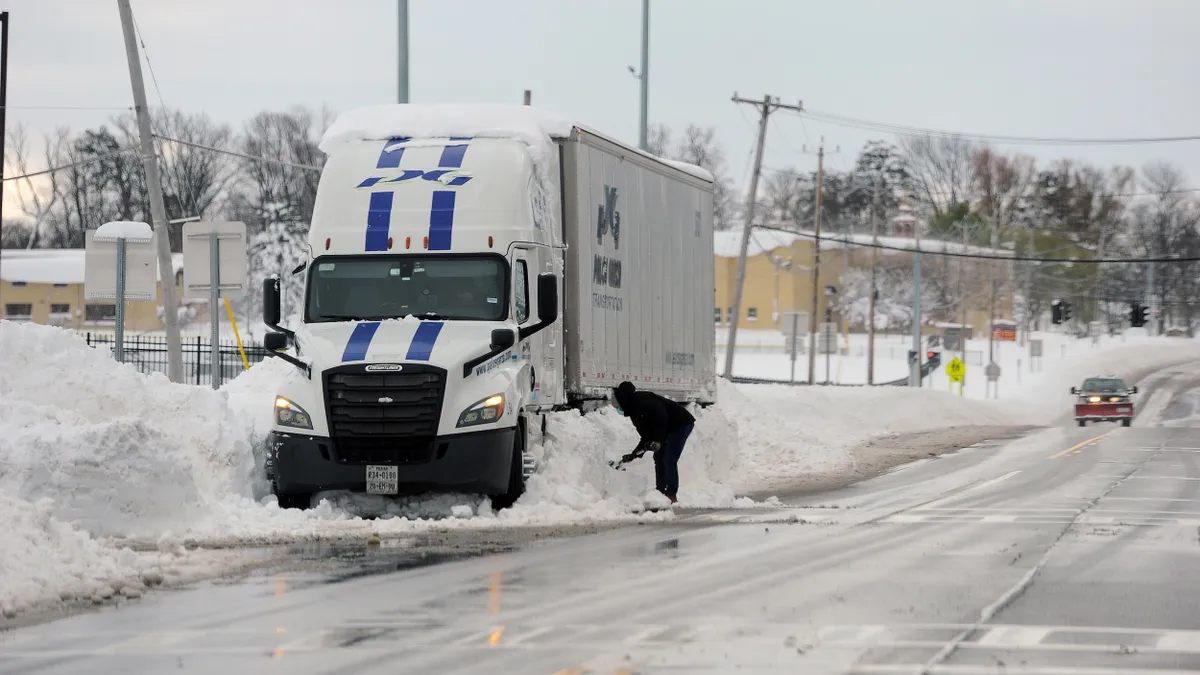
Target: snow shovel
{"points": [[619, 465]]}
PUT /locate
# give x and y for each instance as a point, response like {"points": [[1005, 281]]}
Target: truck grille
{"points": [[384, 417]]}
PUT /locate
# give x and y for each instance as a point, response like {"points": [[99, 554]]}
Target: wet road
{"points": [[1069, 552]]}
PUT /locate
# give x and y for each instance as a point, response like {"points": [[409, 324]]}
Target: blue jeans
{"points": [[666, 461]]}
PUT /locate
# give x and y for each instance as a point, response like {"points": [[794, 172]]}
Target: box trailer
{"points": [[470, 269]]}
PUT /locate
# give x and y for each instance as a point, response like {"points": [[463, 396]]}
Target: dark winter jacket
{"points": [[652, 415]]}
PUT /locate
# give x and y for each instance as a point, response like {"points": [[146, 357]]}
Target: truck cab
{"points": [[429, 326]]}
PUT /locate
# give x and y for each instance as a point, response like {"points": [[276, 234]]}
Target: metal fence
{"points": [[149, 355]]}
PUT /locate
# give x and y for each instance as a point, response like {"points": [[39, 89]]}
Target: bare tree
{"points": [[658, 138], [36, 195], [941, 170], [782, 197]]}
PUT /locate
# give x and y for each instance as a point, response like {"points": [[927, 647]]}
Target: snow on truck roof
{"points": [[535, 127]]}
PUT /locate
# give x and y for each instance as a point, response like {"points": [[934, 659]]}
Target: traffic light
{"points": [[1056, 313], [1066, 311], [1139, 315], [934, 358]]}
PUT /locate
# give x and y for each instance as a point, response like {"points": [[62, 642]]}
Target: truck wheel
{"points": [[1126, 422], [1082, 423], [516, 472]]}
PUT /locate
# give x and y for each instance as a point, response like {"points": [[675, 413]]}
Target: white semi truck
{"points": [[470, 269]]}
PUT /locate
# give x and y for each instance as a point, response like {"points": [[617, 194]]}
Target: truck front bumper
{"points": [[1104, 412], [477, 463]]}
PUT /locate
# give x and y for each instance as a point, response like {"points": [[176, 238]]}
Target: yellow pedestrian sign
{"points": [[956, 369]]}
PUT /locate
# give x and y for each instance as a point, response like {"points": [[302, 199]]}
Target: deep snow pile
{"points": [[43, 558], [95, 456]]}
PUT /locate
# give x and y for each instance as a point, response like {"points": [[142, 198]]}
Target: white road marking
{"points": [[1181, 640], [646, 634], [1014, 636], [530, 635], [973, 488], [999, 518]]}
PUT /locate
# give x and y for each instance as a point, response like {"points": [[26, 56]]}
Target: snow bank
{"points": [[118, 451], [792, 432], [43, 558], [95, 456]]}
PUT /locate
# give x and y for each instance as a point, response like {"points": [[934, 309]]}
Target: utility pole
{"points": [[3, 100], [992, 292], [644, 115], [816, 269], [766, 106], [158, 210], [1154, 325], [874, 267], [962, 297], [914, 373], [402, 59]]}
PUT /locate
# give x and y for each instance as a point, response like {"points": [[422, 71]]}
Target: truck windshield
{"points": [[467, 288], [1104, 385]]}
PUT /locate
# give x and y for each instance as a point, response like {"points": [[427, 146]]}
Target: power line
{"points": [[72, 165], [68, 107], [242, 155], [902, 129], [982, 256]]}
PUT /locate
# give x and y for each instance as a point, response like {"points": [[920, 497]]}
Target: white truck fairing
{"points": [[444, 310]]}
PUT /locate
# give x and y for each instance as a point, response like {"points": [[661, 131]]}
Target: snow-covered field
{"points": [[110, 479]]}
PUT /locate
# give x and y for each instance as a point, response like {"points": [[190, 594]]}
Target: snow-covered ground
{"points": [[110, 479]]}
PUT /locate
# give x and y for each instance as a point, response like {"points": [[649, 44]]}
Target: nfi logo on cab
{"points": [[448, 177]]}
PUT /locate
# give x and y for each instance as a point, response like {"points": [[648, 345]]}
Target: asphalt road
{"points": [[1068, 552]]}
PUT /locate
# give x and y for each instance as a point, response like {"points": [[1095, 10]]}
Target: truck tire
{"points": [[1126, 422], [1082, 423], [516, 472]]}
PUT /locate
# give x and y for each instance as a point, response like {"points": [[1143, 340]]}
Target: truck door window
{"points": [[521, 291]]}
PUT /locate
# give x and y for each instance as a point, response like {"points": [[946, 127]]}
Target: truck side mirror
{"points": [[1074, 390], [502, 338], [275, 341], [1133, 390], [547, 298], [271, 302]]}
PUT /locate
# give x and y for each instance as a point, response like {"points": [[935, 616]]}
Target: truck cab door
{"points": [[524, 313]]}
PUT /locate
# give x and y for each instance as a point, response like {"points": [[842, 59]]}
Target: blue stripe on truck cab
{"points": [[441, 220], [393, 150], [379, 220], [360, 341], [441, 208], [423, 340]]}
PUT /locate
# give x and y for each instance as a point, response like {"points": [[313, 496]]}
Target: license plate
{"points": [[1123, 410], [383, 480]]}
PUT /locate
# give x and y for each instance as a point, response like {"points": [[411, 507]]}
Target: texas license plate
{"points": [[1125, 410], [383, 480]]}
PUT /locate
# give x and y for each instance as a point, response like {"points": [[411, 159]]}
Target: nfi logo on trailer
{"points": [[447, 177]]}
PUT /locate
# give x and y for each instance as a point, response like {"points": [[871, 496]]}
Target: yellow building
{"points": [[46, 286], [779, 277]]}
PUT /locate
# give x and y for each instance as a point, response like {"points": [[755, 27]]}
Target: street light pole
{"points": [[402, 76], [644, 117]]}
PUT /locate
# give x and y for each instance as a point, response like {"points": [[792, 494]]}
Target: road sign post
{"points": [[224, 246], [993, 378], [957, 371], [119, 259]]}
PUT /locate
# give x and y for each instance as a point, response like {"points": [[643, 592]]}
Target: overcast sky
{"points": [[1094, 68]]}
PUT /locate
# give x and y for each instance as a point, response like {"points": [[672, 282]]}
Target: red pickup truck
{"points": [[1104, 399]]}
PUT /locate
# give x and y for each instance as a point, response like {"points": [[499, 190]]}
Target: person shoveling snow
{"points": [[664, 427]]}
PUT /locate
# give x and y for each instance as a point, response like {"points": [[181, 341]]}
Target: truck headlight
{"points": [[1093, 399], [488, 410], [288, 414]]}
